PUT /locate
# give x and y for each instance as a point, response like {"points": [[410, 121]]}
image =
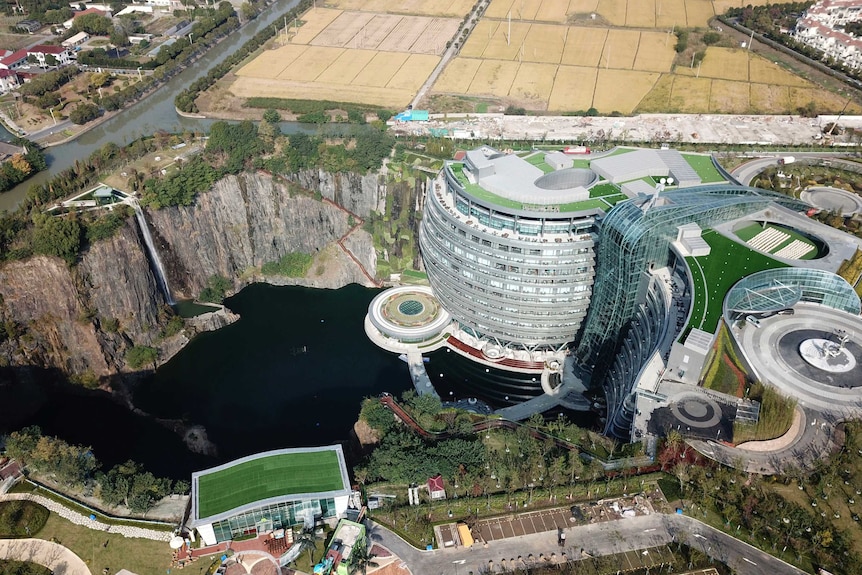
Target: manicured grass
{"points": [[21, 518], [265, 477], [604, 189], [704, 168], [10, 567], [751, 230], [102, 550], [715, 274], [538, 159]]}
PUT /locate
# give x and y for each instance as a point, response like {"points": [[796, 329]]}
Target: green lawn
{"points": [[715, 274], [751, 230], [272, 476], [704, 168], [100, 550], [538, 159]]}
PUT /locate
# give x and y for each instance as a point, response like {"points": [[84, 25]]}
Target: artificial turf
{"points": [[704, 167], [727, 263], [265, 477]]}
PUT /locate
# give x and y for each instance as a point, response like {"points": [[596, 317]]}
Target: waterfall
{"points": [[154, 254]]}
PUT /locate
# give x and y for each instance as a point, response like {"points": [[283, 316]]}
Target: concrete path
{"points": [[60, 560], [78, 519]]}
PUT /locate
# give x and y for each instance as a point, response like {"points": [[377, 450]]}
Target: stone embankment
{"points": [[78, 519]]}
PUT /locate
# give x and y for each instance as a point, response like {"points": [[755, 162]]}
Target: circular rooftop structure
{"points": [[408, 314], [770, 291], [567, 179], [833, 200]]}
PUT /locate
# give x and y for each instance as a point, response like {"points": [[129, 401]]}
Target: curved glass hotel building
{"points": [[591, 274], [510, 252]]}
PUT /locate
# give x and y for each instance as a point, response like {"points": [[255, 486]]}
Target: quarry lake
{"points": [[291, 372]]}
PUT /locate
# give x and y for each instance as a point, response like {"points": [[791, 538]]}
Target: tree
{"points": [[271, 116], [93, 23], [217, 287], [83, 113], [360, 558], [306, 542], [58, 236], [141, 355]]}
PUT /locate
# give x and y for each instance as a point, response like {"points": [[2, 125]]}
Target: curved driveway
{"points": [[822, 405], [597, 539], [60, 560]]}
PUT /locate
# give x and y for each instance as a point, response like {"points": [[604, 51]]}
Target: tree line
{"points": [[75, 466]]}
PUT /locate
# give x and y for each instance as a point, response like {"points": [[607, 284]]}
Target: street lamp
{"points": [[190, 38], [52, 116], [140, 78]]}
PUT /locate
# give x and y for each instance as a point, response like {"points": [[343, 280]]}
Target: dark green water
{"points": [[291, 372]]}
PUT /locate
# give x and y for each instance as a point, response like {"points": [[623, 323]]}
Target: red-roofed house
{"points": [[436, 488], [14, 60], [61, 54]]}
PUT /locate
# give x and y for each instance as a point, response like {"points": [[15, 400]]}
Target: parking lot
{"points": [[524, 524]]}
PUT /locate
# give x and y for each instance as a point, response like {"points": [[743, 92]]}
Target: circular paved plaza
{"points": [[774, 349], [833, 200]]}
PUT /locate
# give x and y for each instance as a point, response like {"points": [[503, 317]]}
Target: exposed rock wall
{"points": [[65, 315], [355, 193], [59, 310], [246, 221]]}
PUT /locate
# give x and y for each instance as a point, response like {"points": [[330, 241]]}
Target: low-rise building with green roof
{"points": [[268, 491]]}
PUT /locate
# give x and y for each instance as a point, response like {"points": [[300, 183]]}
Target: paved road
{"points": [[597, 539], [60, 560], [58, 127]]}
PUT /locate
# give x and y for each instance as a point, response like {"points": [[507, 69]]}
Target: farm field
{"points": [[349, 56], [450, 8], [595, 62], [619, 13]]}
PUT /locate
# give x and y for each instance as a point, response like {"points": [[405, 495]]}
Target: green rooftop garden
{"points": [[704, 168], [265, 477], [602, 196], [715, 274], [538, 159]]}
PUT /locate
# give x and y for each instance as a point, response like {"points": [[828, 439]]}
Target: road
{"points": [[597, 539], [58, 127], [749, 170]]}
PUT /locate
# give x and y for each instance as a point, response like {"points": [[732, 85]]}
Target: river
{"points": [[154, 113]]}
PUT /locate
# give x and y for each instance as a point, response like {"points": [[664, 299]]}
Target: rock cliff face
{"points": [[355, 193], [248, 220], [62, 314], [83, 319]]}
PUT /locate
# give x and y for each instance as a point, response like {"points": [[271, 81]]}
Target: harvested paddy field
{"points": [[356, 55]]}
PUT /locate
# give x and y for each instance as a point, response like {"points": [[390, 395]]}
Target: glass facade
{"points": [[635, 237], [773, 290], [274, 516], [519, 278]]}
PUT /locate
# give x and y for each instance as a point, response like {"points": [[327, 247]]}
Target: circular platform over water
{"points": [[408, 314]]}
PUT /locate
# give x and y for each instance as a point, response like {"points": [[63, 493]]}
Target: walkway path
{"points": [[78, 519], [60, 560], [419, 375]]}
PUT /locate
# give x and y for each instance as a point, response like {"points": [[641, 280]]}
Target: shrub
{"points": [[293, 265], [16, 517], [141, 355], [83, 113], [215, 290]]}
